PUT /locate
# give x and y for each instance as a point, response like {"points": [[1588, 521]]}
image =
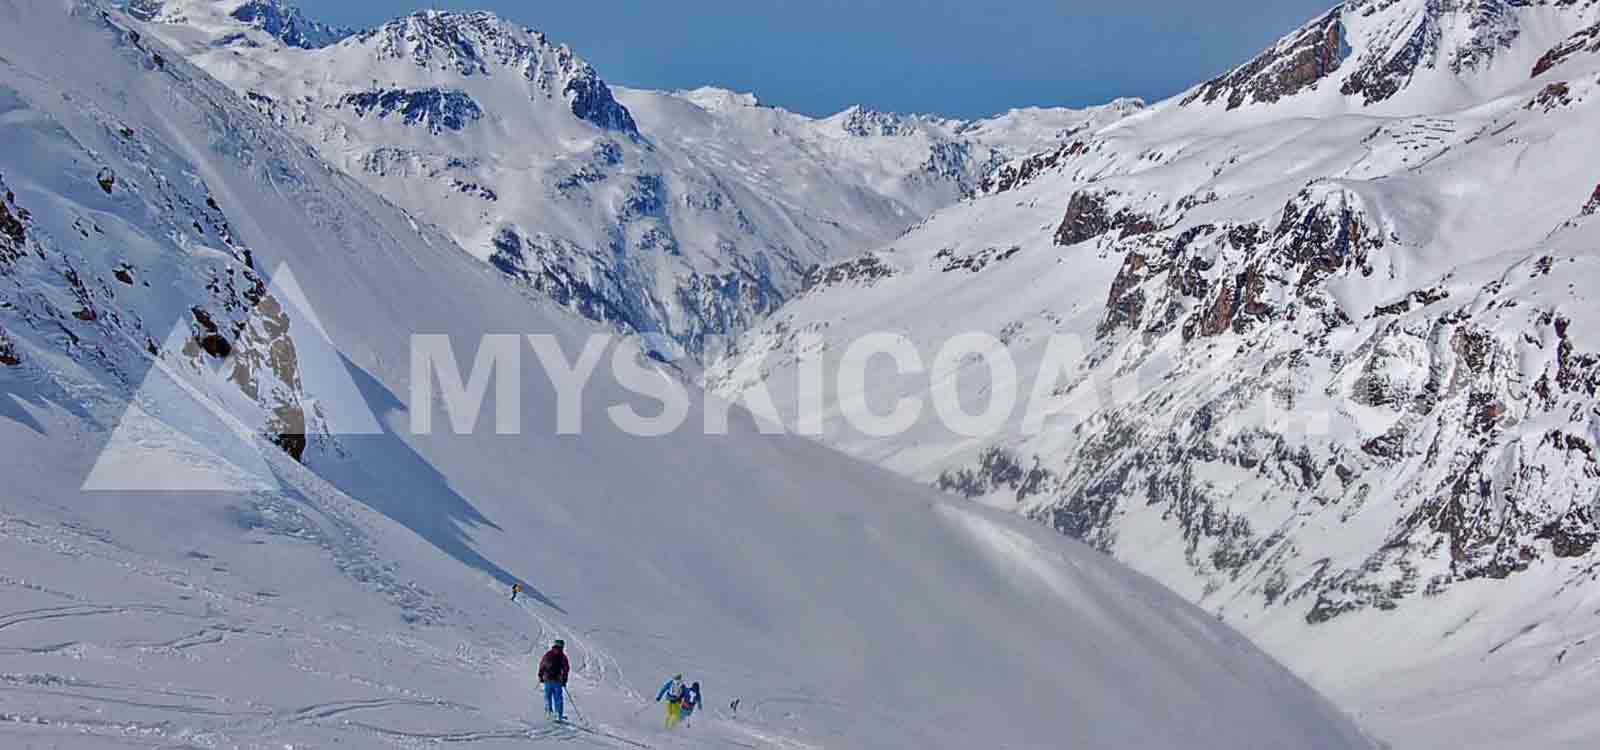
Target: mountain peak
{"points": [[472, 43], [862, 121], [480, 43]]}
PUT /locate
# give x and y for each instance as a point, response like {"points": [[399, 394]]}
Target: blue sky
{"points": [[956, 57]]}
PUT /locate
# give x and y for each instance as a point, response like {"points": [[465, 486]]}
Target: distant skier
{"points": [[690, 701], [673, 693], [553, 669], [516, 588]]}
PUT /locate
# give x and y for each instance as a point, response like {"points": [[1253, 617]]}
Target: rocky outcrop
{"points": [[1383, 72], [9, 356], [1552, 97], [1089, 216], [438, 110], [288, 24], [949, 260], [1585, 41], [13, 232], [865, 270], [1297, 63], [1022, 171], [861, 122]]}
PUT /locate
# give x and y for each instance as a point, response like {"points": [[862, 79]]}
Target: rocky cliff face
{"points": [[1370, 51], [1296, 63], [130, 248]]}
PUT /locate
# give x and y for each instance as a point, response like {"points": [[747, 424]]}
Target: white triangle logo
{"points": [[199, 432]]}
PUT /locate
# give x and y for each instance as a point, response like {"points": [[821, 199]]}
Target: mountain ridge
{"points": [[687, 224]]}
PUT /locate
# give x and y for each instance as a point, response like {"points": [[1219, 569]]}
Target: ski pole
{"points": [[578, 712]]}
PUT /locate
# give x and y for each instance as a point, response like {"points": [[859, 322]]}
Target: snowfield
{"points": [[189, 294]]}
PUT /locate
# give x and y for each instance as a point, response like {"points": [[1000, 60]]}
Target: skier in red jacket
{"points": [[553, 670]]}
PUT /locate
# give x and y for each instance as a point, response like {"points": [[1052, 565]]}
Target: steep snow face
{"points": [[686, 214], [1328, 367], [351, 590]]}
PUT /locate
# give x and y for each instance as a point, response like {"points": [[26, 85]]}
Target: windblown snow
{"points": [[191, 295]]}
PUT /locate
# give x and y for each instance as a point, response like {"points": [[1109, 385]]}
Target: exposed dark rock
{"points": [[210, 339], [592, 101], [998, 469], [1293, 65], [862, 122], [1126, 301], [438, 109], [1237, 305], [1554, 96], [288, 24], [1572, 535], [1022, 172], [1085, 220], [474, 189], [1587, 40], [977, 261], [9, 356], [1321, 238], [1383, 74], [865, 270], [13, 233]]}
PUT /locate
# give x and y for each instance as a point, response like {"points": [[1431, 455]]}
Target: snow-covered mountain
{"points": [[1327, 348], [688, 214], [192, 299]]}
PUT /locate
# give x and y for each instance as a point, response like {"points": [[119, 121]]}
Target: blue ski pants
{"points": [[553, 700]]}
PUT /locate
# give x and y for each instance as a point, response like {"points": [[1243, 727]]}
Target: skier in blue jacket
{"points": [[673, 691], [690, 701]]}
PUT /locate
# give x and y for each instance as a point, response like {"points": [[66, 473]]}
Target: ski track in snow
{"points": [[173, 716]]}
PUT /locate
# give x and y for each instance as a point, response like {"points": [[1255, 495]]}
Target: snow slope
{"points": [[1328, 356], [190, 298], [688, 214]]}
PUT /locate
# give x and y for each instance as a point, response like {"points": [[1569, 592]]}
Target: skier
{"points": [[673, 692], [516, 588], [690, 701], [553, 669]]}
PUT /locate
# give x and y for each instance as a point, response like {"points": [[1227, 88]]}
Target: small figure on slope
{"points": [[553, 669], [673, 693], [516, 588], [690, 701]]}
